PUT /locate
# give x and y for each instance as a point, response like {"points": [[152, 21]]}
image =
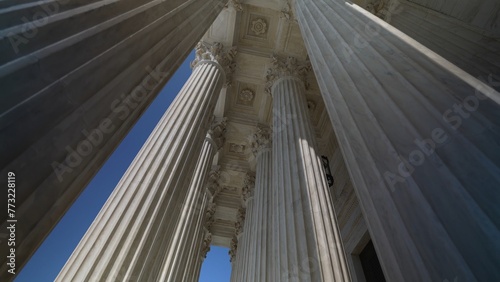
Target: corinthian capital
{"points": [[213, 185], [240, 221], [236, 4], [287, 12], [283, 67], [210, 215], [233, 248], [384, 9], [216, 134], [216, 52], [248, 186], [261, 139], [205, 248]]}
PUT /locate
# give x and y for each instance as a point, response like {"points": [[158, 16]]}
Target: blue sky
{"points": [[56, 249]]}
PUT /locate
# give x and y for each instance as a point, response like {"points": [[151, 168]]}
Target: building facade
{"points": [[319, 140]]}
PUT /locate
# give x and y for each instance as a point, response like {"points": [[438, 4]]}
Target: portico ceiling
{"points": [[260, 30]]}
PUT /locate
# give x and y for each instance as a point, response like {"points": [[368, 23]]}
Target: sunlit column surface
{"points": [[259, 256], [244, 232], [309, 246], [183, 260], [131, 238], [420, 138]]}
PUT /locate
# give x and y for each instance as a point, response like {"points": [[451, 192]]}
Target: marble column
{"points": [[237, 255], [198, 252], [469, 47], [244, 232], [75, 78], [259, 256], [420, 140], [232, 258], [131, 237], [206, 236], [201, 246], [309, 246], [184, 251]]}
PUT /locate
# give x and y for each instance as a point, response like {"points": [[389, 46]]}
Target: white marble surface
{"points": [[385, 93], [131, 237], [469, 47], [306, 237]]}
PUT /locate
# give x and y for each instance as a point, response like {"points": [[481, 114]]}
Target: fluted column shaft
{"points": [[244, 263], [466, 46], [204, 237], [233, 271], [131, 237], [196, 253], [242, 256], [182, 260], [63, 111], [309, 244], [254, 252], [242, 241], [420, 140], [197, 245], [259, 255]]}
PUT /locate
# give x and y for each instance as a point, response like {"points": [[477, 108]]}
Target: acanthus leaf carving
{"points": [[384, 9], [287, 12], [261, 139], [207, 240], [217, 131], [236, 4], [248, 186], [232, 249], [216, 52], [289, 66], [240, 220]]}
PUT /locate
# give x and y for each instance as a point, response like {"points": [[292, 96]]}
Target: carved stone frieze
{"points": [[259, 26], [237, 148], [210, 215], [246, 95], [213, 182]]}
